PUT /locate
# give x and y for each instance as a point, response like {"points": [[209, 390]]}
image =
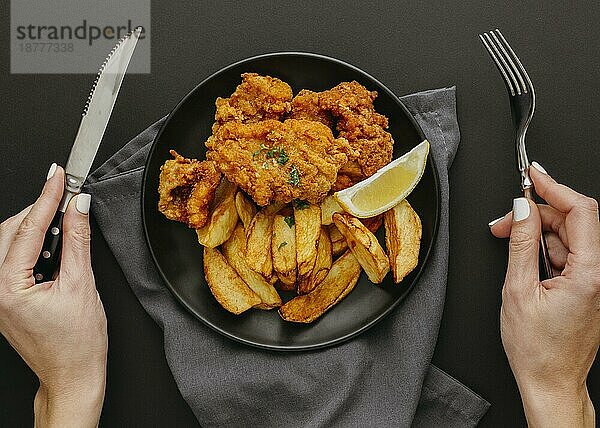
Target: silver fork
{"points": [[522, 106]]}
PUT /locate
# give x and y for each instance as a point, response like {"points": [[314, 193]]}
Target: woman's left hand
{"points": [[58, 327]]}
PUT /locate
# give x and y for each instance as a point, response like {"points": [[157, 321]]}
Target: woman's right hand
{"points": [[551, 329]]}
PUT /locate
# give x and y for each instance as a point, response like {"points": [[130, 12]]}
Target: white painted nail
{"points": [[539, 167], [51, 171], [493, 222], [82, 203], [520, 209]]}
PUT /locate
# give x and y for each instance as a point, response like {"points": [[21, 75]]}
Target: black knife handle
{"points": [[48, 261]]}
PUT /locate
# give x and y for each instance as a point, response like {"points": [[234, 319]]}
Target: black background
{"points": [[409, 47]]}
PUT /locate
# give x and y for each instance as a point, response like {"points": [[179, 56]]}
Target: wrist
{"points": [[556, 405], [74, 402]]}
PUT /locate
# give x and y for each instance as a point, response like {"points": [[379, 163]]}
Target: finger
{"points": [[552, 224], [25, 248], [557, 251], [558, 195], [500, 227], [8, 229], [552, 221], [581, 221], [76, 262], [563, 198], [523, 250]]}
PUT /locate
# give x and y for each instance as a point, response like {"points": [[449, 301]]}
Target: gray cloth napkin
{"points": [[381, 378]]}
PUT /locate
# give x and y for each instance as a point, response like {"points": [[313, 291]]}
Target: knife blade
{"points": [[96, 114]]}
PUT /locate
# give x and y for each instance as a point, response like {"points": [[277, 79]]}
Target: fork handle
{"points": [[544, 255]]}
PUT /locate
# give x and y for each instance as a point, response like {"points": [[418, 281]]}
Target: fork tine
{"points": [[508, 68], [510, 60], [498, 65], [517, 60]]}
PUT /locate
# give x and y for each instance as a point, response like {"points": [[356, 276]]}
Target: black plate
{"points": [[178, 256]]}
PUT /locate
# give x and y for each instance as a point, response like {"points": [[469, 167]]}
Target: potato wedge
{"points": [[308, 230], [403, 232], [283, 249], [282, 286], [258, 243], [245, 209], [373, 223], [329, 207], [274, 208], [233, 250], [322, 264], [347, 290], [340, 280], [232, 293], [223, 217], [338, 242], [364, 246], [324, 257]]}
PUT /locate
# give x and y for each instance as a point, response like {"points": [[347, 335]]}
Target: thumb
{"points": [[523, 253], [76, 260]]}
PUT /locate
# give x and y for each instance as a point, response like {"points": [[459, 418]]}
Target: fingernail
{"points": [[539, 167], [493, 222], [520, 209], [51, 171], [82, 203]]}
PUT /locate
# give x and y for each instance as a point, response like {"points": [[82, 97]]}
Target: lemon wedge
{"points": [[387, 187]]}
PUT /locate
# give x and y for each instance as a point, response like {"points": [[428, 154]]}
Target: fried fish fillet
{"points": [[257, 98], [186, 189], [276, 161], [349, 107]]}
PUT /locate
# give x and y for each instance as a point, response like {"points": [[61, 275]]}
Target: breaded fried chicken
{"points": [[276, 161], [256, 98], [349, 106], [358, 122], [186, 189], [305, 105]]}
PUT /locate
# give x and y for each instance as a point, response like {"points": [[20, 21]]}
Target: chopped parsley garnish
{"points": [[258, 152], [300, 204], [283, 244], [294, 176], [289, 219], [282, 158], [276, 153]]}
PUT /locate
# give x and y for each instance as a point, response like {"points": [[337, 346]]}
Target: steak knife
{"points": [[95, 117]]}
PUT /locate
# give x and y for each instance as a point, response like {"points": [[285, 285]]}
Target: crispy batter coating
{"points": [[358, 122], [276, 161], [349, 174], [349, 106], [349, 98], [305, 105], [374, 144], [186, 189], [256, 98]]}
